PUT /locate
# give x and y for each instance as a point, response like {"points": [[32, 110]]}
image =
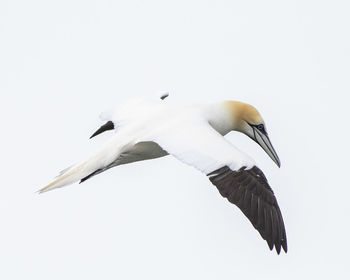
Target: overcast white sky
{"points": [[63, 62]]}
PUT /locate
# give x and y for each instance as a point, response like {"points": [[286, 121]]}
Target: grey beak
{"points": [[265, 143]]}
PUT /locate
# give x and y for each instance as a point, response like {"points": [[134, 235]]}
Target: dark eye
{"points": [[261, 128]]}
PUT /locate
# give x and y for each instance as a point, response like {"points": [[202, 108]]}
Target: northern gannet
{"points": [[148, 128]]}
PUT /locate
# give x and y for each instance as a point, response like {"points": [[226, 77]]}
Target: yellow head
{"points": [[246, 119]]}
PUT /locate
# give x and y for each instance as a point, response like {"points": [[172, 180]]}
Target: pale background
{"points": [[63, 62]]}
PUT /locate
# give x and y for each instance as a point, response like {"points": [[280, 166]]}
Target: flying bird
{"points": [[148, 128]]}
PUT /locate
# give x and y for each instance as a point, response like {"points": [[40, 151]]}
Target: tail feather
{"points": [[104, 157], [64, 171], [70, 176], [77, 172]]}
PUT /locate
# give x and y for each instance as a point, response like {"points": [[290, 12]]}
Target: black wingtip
{"points": [[165, 95], [270, 243], [250, 191], [107, 126], [278, 248], [284, 246]]}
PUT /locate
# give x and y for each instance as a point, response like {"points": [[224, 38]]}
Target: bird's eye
{"points": [[259, 127]]}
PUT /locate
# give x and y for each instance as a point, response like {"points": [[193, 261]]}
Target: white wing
{"points": [[133, 110], [129, 112], [232, 172], [196, 143]]}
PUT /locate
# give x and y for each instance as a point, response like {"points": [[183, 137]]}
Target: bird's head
{"points": [[247, 119]]}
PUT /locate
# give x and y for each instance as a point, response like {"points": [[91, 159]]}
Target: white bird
{"points": [[148, 128]]}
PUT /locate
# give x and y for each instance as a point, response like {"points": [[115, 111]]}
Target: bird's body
{"points": [[148, 128]]}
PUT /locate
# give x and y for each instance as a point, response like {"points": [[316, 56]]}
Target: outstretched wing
{"points": [[232, 172], [250, 191], [126, 111]]}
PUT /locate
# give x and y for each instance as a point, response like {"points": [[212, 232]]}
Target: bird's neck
{"points": [[220, 118]]}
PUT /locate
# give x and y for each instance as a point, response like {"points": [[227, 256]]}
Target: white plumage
{"points": [[147, 128], [182, 131]]}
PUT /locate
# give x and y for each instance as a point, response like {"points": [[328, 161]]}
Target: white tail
{"points": [[101, 159], [70, 176]]}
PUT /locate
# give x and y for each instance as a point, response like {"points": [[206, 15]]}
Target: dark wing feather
{"points": [[250, 191], [107, 126]]}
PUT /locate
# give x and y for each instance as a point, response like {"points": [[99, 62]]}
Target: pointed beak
{"points": [[265, 143]]}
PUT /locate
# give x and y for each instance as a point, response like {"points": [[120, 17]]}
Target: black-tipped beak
{"points": [[107, 126], [263, 140]]}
